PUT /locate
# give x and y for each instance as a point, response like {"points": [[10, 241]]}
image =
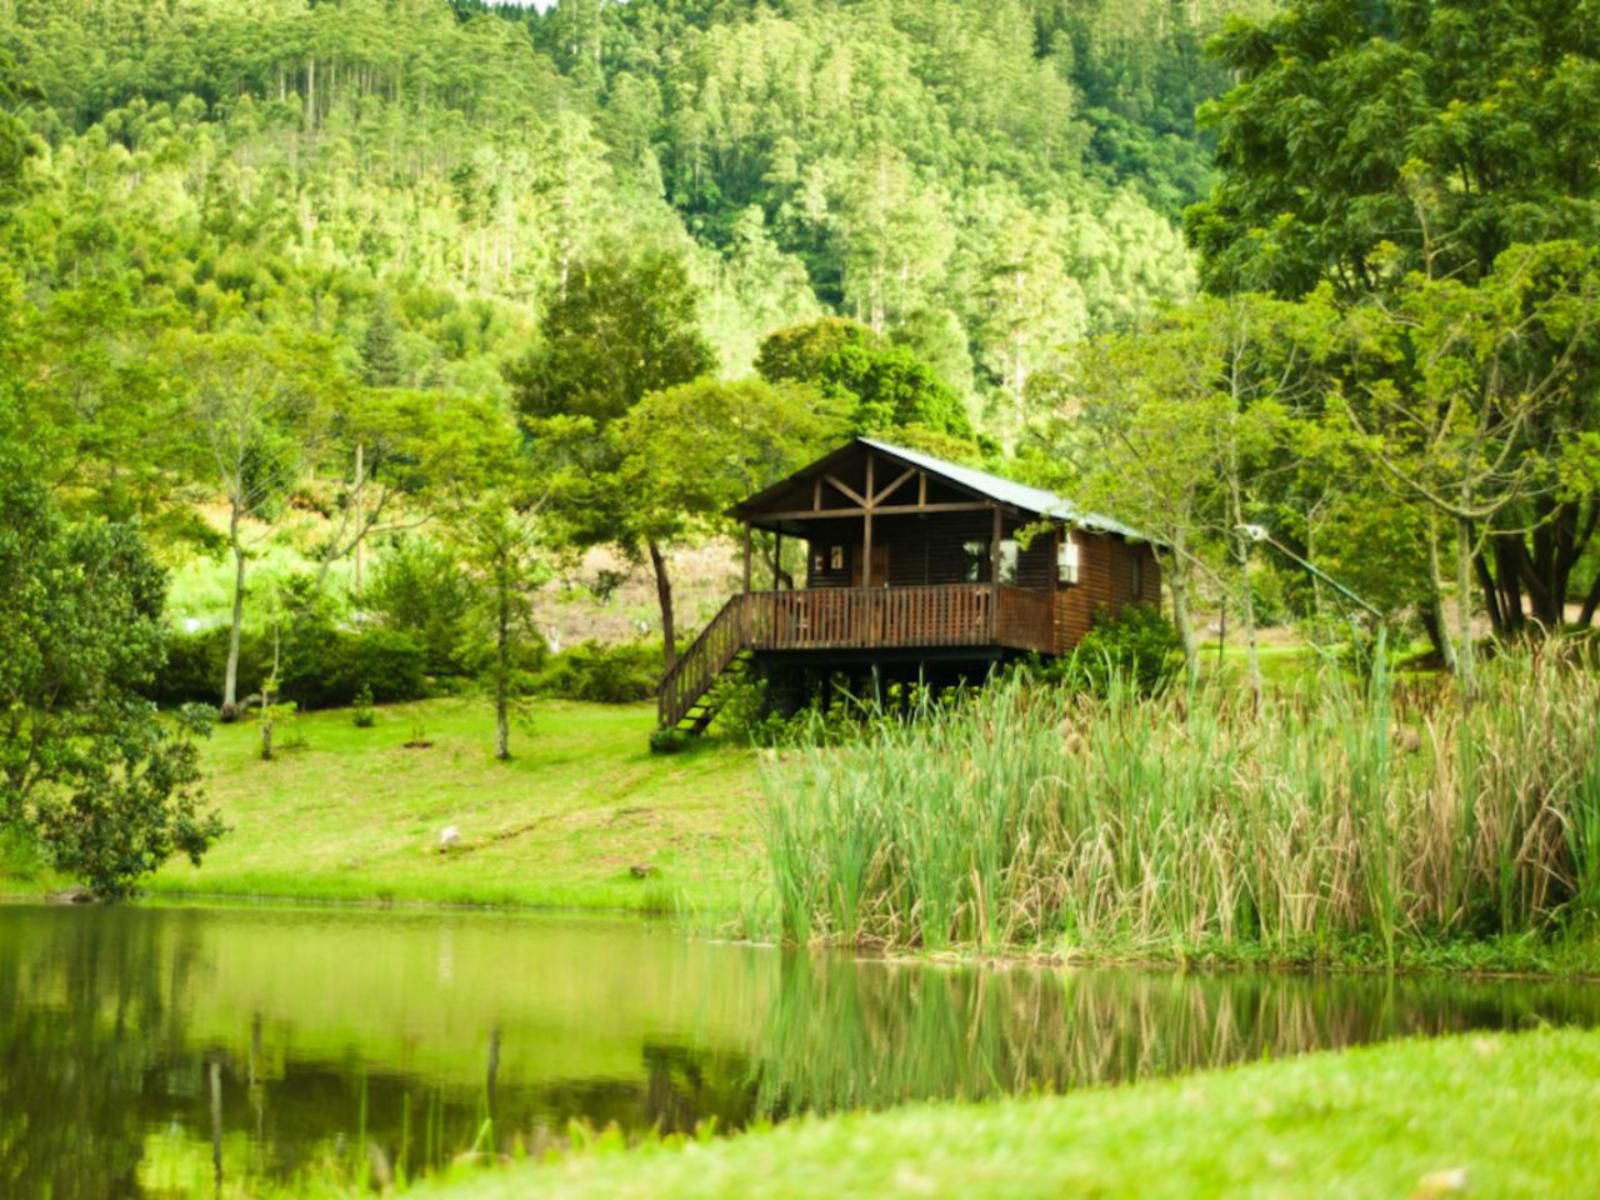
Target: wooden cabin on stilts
{"points": [[914, 569]]}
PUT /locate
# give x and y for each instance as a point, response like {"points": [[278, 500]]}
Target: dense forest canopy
{"points": [[987, 183]]}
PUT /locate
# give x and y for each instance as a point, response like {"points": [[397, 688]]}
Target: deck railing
{"points": [[908, 618]]}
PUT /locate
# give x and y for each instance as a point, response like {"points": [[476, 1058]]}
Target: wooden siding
{"points": [[1105, 581], [924, 551]]}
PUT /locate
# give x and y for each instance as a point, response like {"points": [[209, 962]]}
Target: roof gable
{"points": [[980, 484]]}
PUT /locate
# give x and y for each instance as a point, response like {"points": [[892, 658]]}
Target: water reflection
{"points": [[151, 1052]]}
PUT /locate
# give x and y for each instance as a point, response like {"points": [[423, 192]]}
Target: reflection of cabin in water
{"points": [[914, 568]]}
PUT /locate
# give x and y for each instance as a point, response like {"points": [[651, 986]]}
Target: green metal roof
{"points": [[1005, 491]]}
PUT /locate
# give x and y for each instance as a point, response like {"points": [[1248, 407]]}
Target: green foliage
{"points": [[363, 715], [604, 674], [107, 788], [1138, 647], [1330, 814], [884, 387], [668, 741], [322, 665], [422, 589]]}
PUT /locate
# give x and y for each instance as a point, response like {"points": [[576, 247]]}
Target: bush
{"points": [[364, 717], [420, 589], [668, 741], [603, 674], [322, 666], [1138, 646]]}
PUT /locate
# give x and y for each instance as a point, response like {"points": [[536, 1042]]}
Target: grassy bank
{"points": [[1337, 821], [354, 814], [1494, 1116]]}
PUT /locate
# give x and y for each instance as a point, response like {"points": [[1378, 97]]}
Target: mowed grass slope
{"points": [[1502, 1116], [355, 814]]}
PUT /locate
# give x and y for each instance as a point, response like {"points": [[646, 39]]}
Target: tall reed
{"points": [[1382, 812]]}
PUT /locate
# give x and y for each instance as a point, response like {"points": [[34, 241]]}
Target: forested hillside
{"points": [[983, 183]]}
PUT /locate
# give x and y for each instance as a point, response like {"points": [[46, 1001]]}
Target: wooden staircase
{"points": [[685, 701]]}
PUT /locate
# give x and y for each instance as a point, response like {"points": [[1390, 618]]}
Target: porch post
{"points": [[994, 577], [744, 603], [866, 537]]}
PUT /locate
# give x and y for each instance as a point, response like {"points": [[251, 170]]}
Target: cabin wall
{"points": [[1112, 573], [928, 550]]}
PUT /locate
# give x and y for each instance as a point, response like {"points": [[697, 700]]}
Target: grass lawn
{"points": [[1488, 1116], [356, 815]]}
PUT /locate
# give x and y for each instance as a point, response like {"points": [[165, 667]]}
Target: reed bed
{"points": [[1337, 814]]}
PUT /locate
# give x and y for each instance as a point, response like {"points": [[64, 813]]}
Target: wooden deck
{"points": [[896, 618], [967, 614]]}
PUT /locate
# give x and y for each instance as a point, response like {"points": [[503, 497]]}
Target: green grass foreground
{"points": [[1486, 1115], [356, 815]]}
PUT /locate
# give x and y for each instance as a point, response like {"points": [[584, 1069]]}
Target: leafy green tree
{"points": [[692, 452], [1368, 144], [248, 415], [380, 354], [885, 388], [88, 769], [625, 326], [1468, 411], [1181, 428]]}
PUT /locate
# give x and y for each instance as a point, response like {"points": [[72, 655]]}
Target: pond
{"points": [[174, 1052]]}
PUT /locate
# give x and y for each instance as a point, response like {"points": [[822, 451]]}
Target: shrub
{"points": [[1138, 645], [321, 666], [668, 741], [364, 716], [421, 589], [604, 674], [390, 666]]}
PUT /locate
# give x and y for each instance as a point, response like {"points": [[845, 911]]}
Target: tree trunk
{"points": [[1464, 655], [1247, 611], [1178, 583], [1591, 602], [502, 673], [230, 678], [669, 638], [1434, 620]]}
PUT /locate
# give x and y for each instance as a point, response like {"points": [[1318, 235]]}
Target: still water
{"points": [[162, 1052]]}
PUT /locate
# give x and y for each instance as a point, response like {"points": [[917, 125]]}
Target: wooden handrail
{"points": [[922, 617], [706, 658]]}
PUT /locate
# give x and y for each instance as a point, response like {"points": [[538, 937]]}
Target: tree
{"points": [[490, 502], [624, 326], [1180, 429], [692, 452], [247, 410], [380, 355], [884, 388], [88, 769], [1368, 144], [1470, 410]]}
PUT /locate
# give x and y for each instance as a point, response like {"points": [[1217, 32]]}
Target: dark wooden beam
{"points": [[922, 488], [893, 487], [887, 510], [849, 491], [994, 574], [866, 536]]}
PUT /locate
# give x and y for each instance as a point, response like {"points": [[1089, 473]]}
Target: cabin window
{"points": [[1067, 561], [1009, 552], [836, 558], [976, 553], [816, 563]]}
